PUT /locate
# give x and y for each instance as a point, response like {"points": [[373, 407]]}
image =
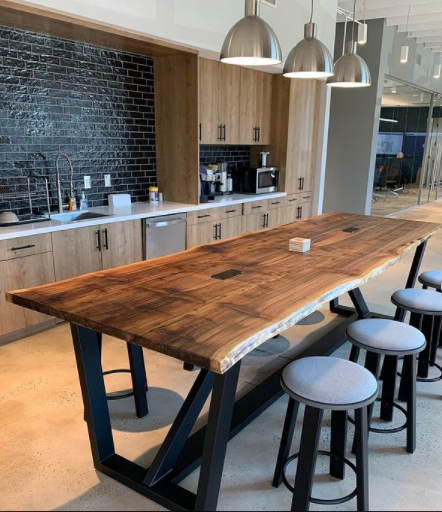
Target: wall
{"points": [[237, 155], [199, 23], [354, 126], [94, 104]]}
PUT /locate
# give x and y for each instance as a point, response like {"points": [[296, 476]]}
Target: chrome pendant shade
{"points": [[251, 42], [351, 71], [310, 58]]}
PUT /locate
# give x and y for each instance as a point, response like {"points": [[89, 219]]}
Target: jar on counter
{"points": [[154, 195]]}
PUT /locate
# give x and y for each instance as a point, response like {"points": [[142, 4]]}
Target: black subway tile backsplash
{"points": [[93, 103], [238, 155]]}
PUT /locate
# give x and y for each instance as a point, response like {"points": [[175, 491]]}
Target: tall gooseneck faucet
{"points": [[59, 182]]}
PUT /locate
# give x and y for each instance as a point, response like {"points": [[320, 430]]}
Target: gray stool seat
{"points": [[329, 383], [432, 279], [386, 337], [423, 302]]}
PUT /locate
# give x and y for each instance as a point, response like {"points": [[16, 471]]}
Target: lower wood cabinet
{"points": [[209, 232], [85, 250], [19, 273]]}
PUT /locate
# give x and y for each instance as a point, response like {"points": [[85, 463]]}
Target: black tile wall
{"points": [[239, 155], [95, 104]]}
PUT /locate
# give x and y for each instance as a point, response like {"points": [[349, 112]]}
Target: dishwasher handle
{"points": [[165, 224]]}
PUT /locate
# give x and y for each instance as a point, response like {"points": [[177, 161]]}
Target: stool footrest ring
{"points": [[317, 501], [389, 430], [427, 380], [112, 397]]}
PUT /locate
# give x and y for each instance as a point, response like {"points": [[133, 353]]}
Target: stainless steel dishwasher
{"points": [[164, 235]]}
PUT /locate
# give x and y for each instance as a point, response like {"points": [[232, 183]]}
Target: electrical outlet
{"points": [[107, 180], [87, 182]]}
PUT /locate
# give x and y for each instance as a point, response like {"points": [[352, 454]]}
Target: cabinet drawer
{"points": [[256, 207], [232, 211], [25, 246], [203, 216], [302, 198], [279, 202]]}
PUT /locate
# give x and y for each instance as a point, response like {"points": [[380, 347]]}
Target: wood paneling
{"points": [[122, 243], [25, 246], [210, 90], [264, 107], [172, 305], [248, 104], [56, 24], [177, 120], [229, 109]]}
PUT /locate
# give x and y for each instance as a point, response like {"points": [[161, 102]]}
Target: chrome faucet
{"points": [[59, 182]]}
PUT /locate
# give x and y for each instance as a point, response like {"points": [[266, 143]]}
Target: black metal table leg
{"points": [[217, 437], [139, 379], [308, 455]]}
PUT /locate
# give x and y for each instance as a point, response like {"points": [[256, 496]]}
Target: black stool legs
{"points": [[311, 434], [362, 460], [286, 441], [339, 435]]}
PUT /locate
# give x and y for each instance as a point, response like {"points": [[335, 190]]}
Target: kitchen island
{"points": [[175, 306]]}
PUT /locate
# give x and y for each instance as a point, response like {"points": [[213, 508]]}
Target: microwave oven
{"points": [[258, 181]]}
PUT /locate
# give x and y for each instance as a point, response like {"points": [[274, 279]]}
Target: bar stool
{"points": [[432, 279], [393, 340], [425, 307], [323, 383]]}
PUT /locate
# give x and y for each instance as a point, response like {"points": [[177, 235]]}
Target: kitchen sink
{"points": [[77, 216]]}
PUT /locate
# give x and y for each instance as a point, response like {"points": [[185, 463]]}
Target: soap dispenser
{"points": [[83, 201]]}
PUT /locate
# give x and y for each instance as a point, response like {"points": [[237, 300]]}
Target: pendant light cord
{"points": [[354, 22], [313, 7]]}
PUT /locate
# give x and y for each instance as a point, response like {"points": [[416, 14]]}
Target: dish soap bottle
{"points": [[83, 202], [73, 204]]}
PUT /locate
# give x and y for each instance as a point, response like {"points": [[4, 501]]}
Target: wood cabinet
{"points": [[91, 249], [255, 107], [23, 272], [220, 86], [209, 232]]}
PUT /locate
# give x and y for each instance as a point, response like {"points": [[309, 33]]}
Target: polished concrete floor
{"points": [[45, 461]]}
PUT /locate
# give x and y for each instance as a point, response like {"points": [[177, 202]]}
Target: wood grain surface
{"points": [[173, 305]]}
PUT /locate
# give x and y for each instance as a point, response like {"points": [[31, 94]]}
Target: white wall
{"points": [[199, 23]]}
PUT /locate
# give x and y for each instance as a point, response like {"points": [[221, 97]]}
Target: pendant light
{"points": [[363, 28], [251, 42], [310, 58], [351, 71], [405, 50]]}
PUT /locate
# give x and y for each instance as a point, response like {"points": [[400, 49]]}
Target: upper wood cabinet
{"points": [[255, 107], [302, 136], [220, 86]]}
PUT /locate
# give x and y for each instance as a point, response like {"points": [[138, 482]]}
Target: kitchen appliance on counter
{"points": [[263, 180], [207, 184], [164, 235]]}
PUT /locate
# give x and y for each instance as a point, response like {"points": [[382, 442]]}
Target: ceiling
{"points": [[425, 17]]}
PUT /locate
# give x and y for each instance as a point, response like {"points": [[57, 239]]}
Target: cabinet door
{"points": [[229, 106], [202, 234], [255, 222], [210, 80], [248, 104], [275, 218], [264, 107], [76, 252], [23, 273], [231, 227], [305, 211], [291, 214], [302, 136], [122, 244]]}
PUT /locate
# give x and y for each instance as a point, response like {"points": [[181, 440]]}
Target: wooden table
{"points": [[175, 306]]}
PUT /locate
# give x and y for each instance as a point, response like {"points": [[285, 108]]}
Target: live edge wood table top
{"points": [[172, 305]]}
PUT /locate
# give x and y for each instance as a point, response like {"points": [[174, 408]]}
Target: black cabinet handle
{"points": [[106, 239], [307, 197], [292, 200], [224, 133], [274, 204], [299, 217], [220, 132], [203, 216], [201, 132], [256, 207], [259, 133], [22, 248], [231, 211], [268, 220], [300, 184], [98, 233], [220, 235], [215, 232]]}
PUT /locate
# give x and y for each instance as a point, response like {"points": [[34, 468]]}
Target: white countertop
{"points": [[133, 212]]}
